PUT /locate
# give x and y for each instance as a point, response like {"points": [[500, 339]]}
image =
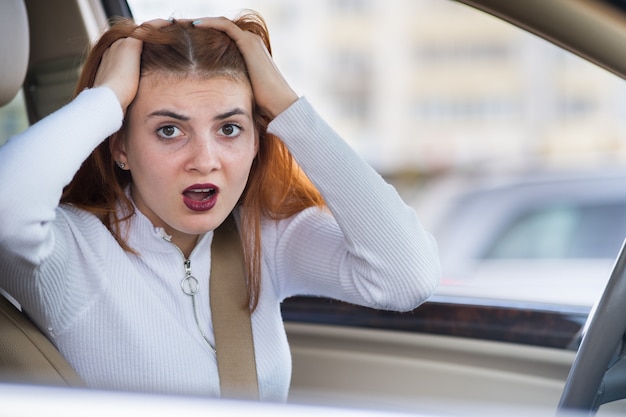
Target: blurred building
{"points": [[423, 85], [432, 84]]}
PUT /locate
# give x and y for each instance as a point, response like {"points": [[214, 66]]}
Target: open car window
{"points": [[415, 98], [438, 110]]}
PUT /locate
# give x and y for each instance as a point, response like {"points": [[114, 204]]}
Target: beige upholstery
{"points": [[26, 355], [14, 48]]}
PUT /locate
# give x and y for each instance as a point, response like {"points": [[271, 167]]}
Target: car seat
{"points": [[26, 355]]}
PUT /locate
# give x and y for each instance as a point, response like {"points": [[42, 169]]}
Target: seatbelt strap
{"points": [[231, 315]]}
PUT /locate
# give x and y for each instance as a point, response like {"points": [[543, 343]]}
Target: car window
{"points": [[418, 101], [561, 232], [438, 96], [13, 118]]}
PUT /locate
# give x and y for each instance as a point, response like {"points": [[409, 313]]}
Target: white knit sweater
{"points": [[123, 321]]}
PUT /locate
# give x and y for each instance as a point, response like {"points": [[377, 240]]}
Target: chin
{"points": [[203, 227]]}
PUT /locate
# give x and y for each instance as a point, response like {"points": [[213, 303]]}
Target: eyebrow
{"points": [[233, 112], [167, 113]]}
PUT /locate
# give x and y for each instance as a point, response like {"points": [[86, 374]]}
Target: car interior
{"points": [[435, 358], [26, 355]]}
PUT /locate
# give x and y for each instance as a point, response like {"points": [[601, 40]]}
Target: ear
{"points": [[117, 147]]}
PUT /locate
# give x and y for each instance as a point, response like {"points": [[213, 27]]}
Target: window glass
{"points": [[439, 97], [415, 96], [561, 232]]}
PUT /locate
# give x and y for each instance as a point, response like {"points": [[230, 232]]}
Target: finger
{"points": [[157, 23], [219, 23], [151, 25]]}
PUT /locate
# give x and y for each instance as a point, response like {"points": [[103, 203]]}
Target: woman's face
{"points": [[189, 148]]}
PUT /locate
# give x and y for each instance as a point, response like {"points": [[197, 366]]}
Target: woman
{"points": [[112, 199]]}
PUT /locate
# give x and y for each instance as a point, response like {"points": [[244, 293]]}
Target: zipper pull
{"points": [[189, 284], [187, 266]]}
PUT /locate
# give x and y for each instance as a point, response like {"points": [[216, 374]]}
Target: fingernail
{"points": [[196, 22]]}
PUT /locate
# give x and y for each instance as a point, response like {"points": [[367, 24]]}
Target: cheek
{"points": [[247, 152], [242, 164], [148, 167], [253, 154], [245, 164], [144, 152]]}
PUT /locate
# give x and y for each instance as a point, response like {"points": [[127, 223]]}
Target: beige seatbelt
{"points": [[231, 315]]}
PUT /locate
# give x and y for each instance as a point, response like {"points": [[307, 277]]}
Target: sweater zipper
{"points": [[190, 287]]}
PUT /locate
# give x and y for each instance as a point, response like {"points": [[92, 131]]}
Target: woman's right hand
{"points": [[119, 69]]}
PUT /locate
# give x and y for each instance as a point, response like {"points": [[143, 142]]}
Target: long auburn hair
{"points": [[276, 188]]}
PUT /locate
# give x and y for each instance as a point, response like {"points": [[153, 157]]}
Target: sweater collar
{"points": [[142, 236]]}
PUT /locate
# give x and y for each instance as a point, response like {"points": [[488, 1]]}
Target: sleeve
{"points": [[37, 164], [371, 248]]}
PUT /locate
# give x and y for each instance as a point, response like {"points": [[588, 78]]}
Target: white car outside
{"points": [[544, 238]]}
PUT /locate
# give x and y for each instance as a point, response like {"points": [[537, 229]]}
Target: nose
{"points": [[204, 155]]}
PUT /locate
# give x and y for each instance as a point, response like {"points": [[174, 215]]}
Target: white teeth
{"points": [[204, 190]]}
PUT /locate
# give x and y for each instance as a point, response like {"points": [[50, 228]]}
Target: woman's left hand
{"points": [[271, 91]]}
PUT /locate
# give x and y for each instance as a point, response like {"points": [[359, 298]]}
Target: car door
{"points": [[452, 352]]}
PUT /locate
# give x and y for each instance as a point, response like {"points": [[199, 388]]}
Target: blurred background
{"points": [[453, 106], [451, 89]]}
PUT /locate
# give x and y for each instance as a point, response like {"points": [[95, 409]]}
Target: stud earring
{"points": [[120, 164]]}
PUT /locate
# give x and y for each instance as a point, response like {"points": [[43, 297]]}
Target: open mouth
{"points": [[200, 194], [200, 197]]}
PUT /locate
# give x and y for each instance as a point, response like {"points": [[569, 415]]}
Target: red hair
{"points": [[276, 188]]}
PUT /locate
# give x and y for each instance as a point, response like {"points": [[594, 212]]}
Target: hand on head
{"points": [[271, 91], [120, 66]]}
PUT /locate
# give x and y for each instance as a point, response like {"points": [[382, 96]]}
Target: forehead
{"points": [[160, 90]]}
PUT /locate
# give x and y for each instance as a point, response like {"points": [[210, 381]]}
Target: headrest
{"points": [[14, 48]]}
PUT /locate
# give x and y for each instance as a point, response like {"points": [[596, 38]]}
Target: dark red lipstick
{"points": [[200, 197]]}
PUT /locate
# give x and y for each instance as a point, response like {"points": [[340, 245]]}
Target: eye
{"points": [[169, 132], [231, 130]]}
